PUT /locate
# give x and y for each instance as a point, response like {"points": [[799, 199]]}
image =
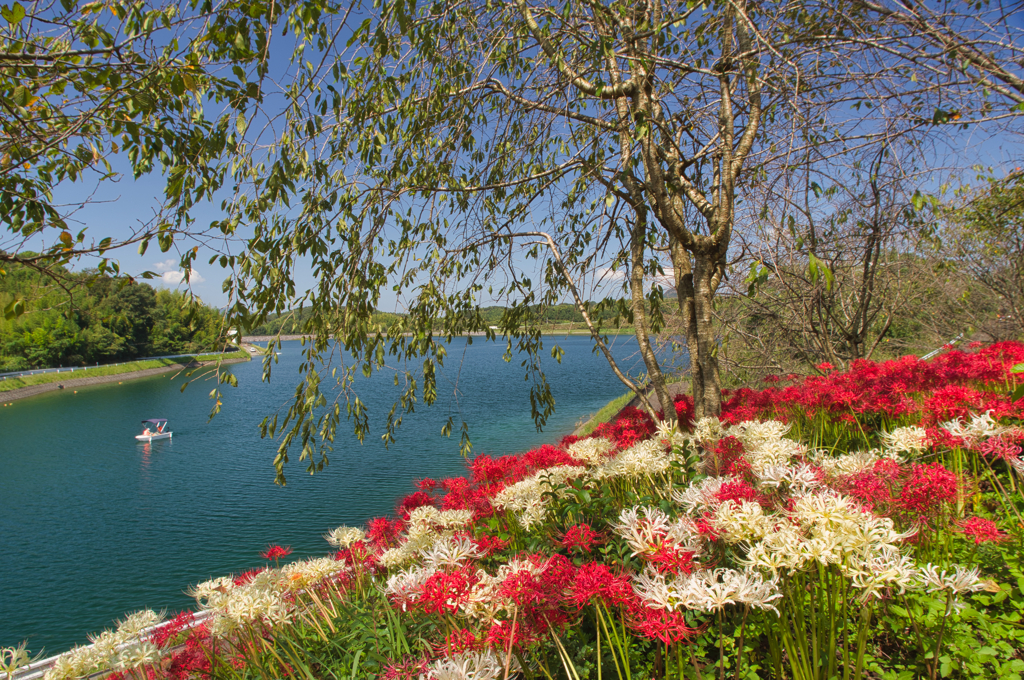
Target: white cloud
{"points": [[172, 276], [609, 274]]}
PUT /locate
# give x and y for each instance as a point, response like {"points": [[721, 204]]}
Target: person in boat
{"points": [[147, 433]]}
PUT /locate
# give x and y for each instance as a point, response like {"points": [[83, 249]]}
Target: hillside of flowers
{"points": [[860, 524]]}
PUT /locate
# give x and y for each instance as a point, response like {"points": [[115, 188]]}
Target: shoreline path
{"points": [[72, 383]]}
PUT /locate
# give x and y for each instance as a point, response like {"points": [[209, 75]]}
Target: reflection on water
{"points": [[96, 524]]}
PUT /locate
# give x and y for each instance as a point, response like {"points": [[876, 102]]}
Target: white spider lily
{"points": [[979, 427], [343, 536], [470, 666], [592, 451], [450, 552], [961, 580], [905, 439]]}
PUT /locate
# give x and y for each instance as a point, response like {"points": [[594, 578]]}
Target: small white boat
{"points": [[154, 428]]}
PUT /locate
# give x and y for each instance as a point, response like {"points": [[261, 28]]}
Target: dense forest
{"points": [[103, 321]]}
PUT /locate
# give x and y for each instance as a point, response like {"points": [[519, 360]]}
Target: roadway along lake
{"points": [[94, 525]]}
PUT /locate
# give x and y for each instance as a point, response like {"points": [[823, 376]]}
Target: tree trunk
{"points": [[640, 322], [695, 293]]}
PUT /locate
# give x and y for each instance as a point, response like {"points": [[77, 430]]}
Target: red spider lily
{"points": [[411, 502], [358, 554], [445, 591], [706, 527], [427, 484], [461, 494], [548, 456], [490, 544], [382, 532], [683, 405], [671, 559], [595, 581], [729, 455], [247, 576], [738, 491], [631, 426], [658, 624], [981, 530], [581, 537], [1001, 448], [170, 630], [456, 642], [825, 366], [927, 487], [869, 487], [408, 668], [194, 659], [508, 469], [276, 552]]}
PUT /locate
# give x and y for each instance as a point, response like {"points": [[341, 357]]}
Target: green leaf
{"points": [[14, 15], [917, 200], [1019, 368], [14, 309]]}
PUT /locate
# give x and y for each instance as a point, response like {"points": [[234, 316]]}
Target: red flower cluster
{"points": [[276, 552], [170, 630], [927, 487], [955, 382], [981, 530], [632, 426], [580, 537], [247, 576], [194, 659], [445, 591]]}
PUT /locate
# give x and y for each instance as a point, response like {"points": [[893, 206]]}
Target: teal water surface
{"points": [[94, 525]]}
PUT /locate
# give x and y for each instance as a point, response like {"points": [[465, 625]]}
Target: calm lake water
{"points": [[94, 525]]}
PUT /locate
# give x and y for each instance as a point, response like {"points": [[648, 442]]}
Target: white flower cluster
{"points": [[649, 530], [823, 527], [977, 428], [427, 525], [640, 460], [343, 536], [961, 580], [737, 521], [707, 430], [707, 590], [852, 463], [905, 439], [119, 650], [470, 666], [799, 478], [594, 451], [264, 598], [527, 496], [668, 434]]}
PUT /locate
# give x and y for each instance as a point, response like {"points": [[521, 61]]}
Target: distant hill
{"points": [[294, 322]]}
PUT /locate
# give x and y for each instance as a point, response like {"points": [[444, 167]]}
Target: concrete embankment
{"points": [[74, 383]]}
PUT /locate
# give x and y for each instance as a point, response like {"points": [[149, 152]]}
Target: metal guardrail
{"points": [[72, 369], [37, 669], [936, 352]]}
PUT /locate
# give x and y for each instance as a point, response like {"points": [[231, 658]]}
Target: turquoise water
{"points": [[94, 525]]}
